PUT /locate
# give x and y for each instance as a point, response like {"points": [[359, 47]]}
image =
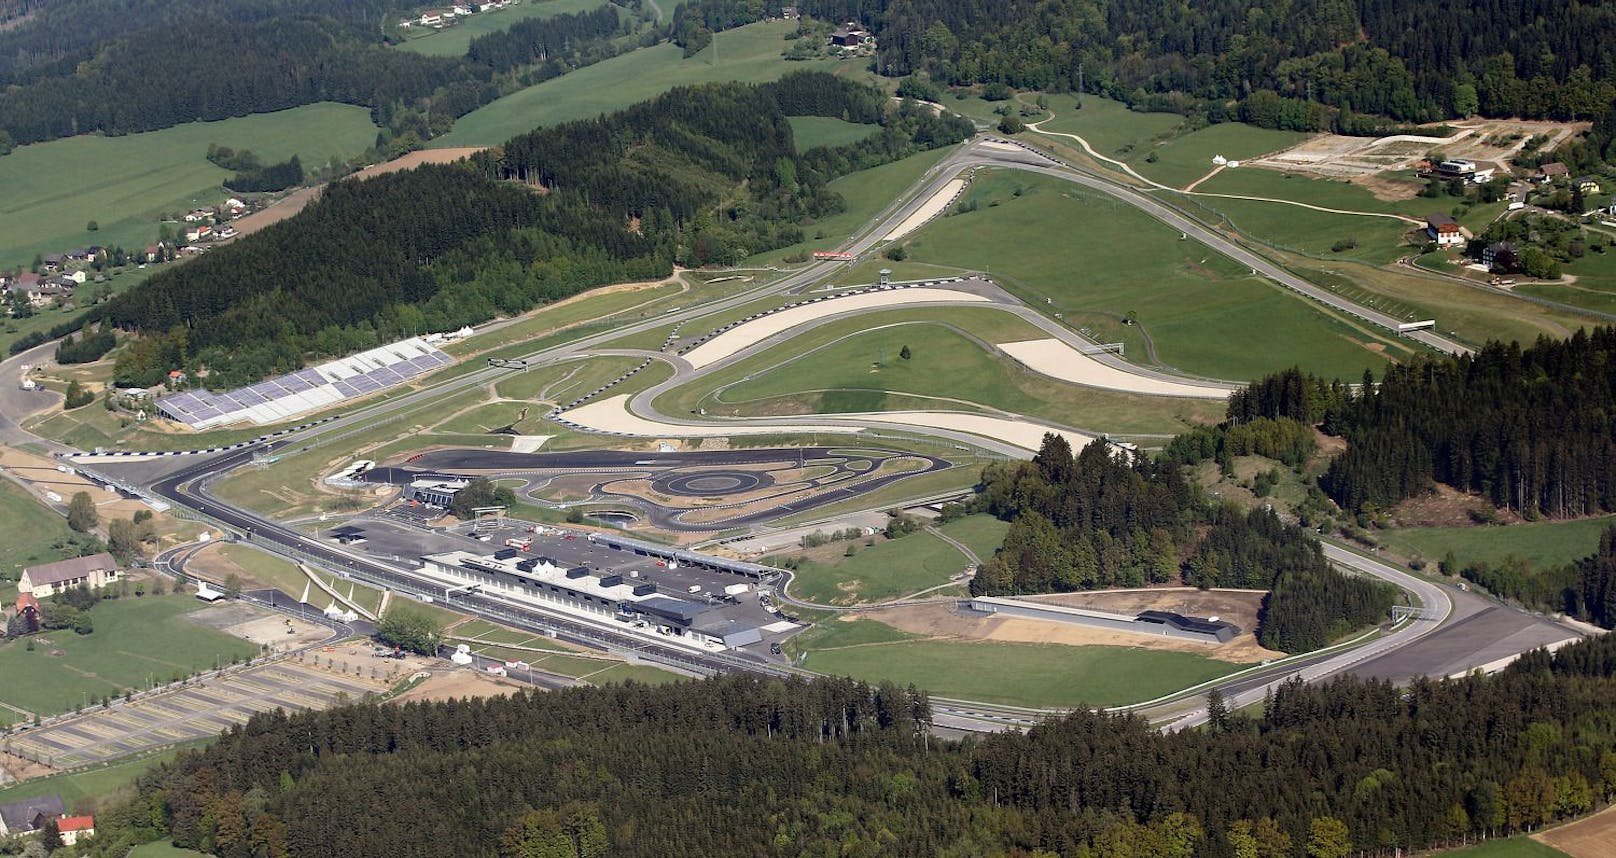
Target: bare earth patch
{"points": [[1593, 837], [457, 684], [1447, 507], [943, 621]]}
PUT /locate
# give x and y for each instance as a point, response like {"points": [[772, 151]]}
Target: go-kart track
{"points": [[687, 492]]}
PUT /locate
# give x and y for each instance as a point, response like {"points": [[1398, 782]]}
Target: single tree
{"points": [[81, 513], [905, 353]]}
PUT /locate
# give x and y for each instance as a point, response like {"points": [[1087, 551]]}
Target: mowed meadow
{"points": [[749, 54], [50, 191]]}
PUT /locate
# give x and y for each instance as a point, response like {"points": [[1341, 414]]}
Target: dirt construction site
{"points": [[1359, 159], [1238, 607]]}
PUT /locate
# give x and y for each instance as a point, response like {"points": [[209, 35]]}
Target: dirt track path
{"points": [[1190, 190]]}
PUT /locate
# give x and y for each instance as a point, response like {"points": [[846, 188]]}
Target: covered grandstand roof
{"points": [[306, 390]]}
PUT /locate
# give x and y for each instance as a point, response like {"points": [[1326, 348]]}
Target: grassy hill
{"points": [[750, 54], [50, 191]]}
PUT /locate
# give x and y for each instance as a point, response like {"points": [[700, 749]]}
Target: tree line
{"points": [[209, 66], [1306, 66], [699, 175], [740, 765], [1097, 520], [1528, 428]]}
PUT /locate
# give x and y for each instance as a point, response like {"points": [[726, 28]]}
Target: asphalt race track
{"points": [[712, 475]]}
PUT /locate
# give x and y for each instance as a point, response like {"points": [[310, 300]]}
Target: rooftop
{"points": [[67, 570], [18, 816]]}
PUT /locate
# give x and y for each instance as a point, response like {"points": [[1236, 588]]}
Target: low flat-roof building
{"points": [[47, 579], [435, 492]]}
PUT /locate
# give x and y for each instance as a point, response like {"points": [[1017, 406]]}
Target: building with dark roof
{"points": [[30, 814]]}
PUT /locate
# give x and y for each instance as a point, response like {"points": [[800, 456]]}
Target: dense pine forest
{"points": [[699, 175], [1093, 521], [1529, 429], [1407, 60], [745, 766]]}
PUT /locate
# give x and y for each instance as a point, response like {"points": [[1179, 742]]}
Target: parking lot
{"points": [[193, 712]]}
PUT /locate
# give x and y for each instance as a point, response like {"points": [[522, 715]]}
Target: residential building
{"points": [[1586, 184], [28, 609], [1443, 230], [30, 814], [53, 261], [48, 579], [1551, 171], [1499, 257], [849, 37], [431, 18], [75, 827]]}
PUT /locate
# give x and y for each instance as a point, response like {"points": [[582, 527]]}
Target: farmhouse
{"points": [[48, 579], [75, 827], [1443, 230], [1586, 184], [30, 814], [1551, 171], [849, 37]]}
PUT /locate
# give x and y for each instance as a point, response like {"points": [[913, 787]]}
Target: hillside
{"points": [[699, 175]]}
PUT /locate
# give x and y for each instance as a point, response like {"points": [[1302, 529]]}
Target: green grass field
{"points": [[1019, 674], [853, 365], [1595, 287], [811, 131], [1183, 159], [266, 568], [629, 303], [982, 533], [1509, 847], [565, 382], [1109, 126], [894, 568], [50, 191], [453, 41], [1542, 543], [163, 849], [879, 573], [31, 529], [748, 54], [81, 789], [1378, 239], [1094, 259], [136, 640]]}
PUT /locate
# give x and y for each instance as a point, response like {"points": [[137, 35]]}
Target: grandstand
{"points": [[288, 396]]}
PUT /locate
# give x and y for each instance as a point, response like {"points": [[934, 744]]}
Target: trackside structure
{"points": [[1154, 623]]}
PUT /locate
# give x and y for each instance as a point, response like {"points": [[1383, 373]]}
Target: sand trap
{"points": [[1057, 359], [757, 330], [612, 415], [1000, 145], [528, 443], [931, 209], [1022, 433]]}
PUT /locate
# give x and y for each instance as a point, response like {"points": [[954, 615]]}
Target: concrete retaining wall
{"points": [[1084, 617]]}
